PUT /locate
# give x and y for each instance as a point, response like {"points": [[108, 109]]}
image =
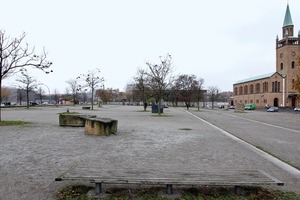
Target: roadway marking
{"points": [[263, 123], [286, 167]]}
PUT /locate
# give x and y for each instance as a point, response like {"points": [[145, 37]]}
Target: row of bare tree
{"points": [[157, 81]]}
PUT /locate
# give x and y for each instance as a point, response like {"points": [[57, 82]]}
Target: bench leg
{"points": [[98, 189], [238, 190], [169, 189]]}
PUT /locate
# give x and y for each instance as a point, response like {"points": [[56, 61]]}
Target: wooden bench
{"points": [[86, 107], [235, 178]]}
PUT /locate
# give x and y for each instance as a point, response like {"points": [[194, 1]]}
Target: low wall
{"points": [[100, 126], [74, 120]]}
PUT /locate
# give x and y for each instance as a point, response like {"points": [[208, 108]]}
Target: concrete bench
{"points": [[100, 126], [235, 178], [74, 120]]}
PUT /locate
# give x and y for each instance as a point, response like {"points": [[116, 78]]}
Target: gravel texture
{"points": [[33, 155]]}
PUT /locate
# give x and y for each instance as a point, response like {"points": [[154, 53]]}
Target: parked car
{"points": [[273, 109], [297, 108], [231, 107], [32, 103], [250, 106]]}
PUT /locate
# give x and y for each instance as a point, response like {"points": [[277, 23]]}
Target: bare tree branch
{"points": [[15, 58]]}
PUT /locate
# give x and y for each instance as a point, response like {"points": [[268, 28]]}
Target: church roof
{"points": [[287, 19], [255, 78]]}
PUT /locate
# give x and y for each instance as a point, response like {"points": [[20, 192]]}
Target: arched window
{"points": [[241, 90], [265, 87], [246, 89], [257, 88], [293, 64], [251, 89], [235, 91], [281, 66], [275, 86]]}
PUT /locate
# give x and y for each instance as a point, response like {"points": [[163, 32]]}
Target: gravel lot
{"points": [[33, 155]]}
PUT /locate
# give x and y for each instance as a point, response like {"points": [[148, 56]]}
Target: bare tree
{"points": [[141, 84], [74, 90], [40, 93], [20, 95], [91, 80], [213, 93], [187, 86], [27, 84], [14, 57], [200, 91], [56, 96], [5, 93], [160, 76], [296, 79]]}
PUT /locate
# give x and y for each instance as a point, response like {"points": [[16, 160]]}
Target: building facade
{"points": [[276, 88]]}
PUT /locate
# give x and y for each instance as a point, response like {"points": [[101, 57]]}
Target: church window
{"points": [[257, 88], [265, 87], [251, 89], [246, 89], [293, 64], [281, 66], [235, 91], [275, 86], [241, 90]]}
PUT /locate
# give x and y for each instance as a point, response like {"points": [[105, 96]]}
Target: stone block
{"points": [[74, 120], [101, 126]]}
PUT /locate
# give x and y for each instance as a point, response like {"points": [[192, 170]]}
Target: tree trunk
{"points": [[92, 96], [0, 98], [27, 98]]}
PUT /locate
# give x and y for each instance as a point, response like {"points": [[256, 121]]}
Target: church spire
{"points": [[287, 19], [288, 27]]}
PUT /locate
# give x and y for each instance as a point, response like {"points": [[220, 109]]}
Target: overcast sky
{"points": [[219, 41]]}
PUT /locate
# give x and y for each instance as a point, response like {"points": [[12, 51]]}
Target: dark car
{"points": [[32, 103], [273, 109]]}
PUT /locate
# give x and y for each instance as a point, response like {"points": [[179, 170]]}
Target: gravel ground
{"points": [[33, 155]]}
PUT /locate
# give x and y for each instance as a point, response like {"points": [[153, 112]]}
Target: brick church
{"points": [[274, 89]]}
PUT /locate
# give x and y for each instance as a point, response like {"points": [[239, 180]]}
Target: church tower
{"points": [[275, 88], [287, 53]]}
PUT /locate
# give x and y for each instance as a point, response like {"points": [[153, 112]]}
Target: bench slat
{"points": [[193, 177]]}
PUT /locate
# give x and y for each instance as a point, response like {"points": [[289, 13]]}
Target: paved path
{"points": [[33, 155]]}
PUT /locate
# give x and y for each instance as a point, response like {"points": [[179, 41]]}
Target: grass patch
{"points": [[161, 115], [68, 113], [185, 129], [143, 111], [158, 193], [74, 192], [201, 110], [12, 123]]}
